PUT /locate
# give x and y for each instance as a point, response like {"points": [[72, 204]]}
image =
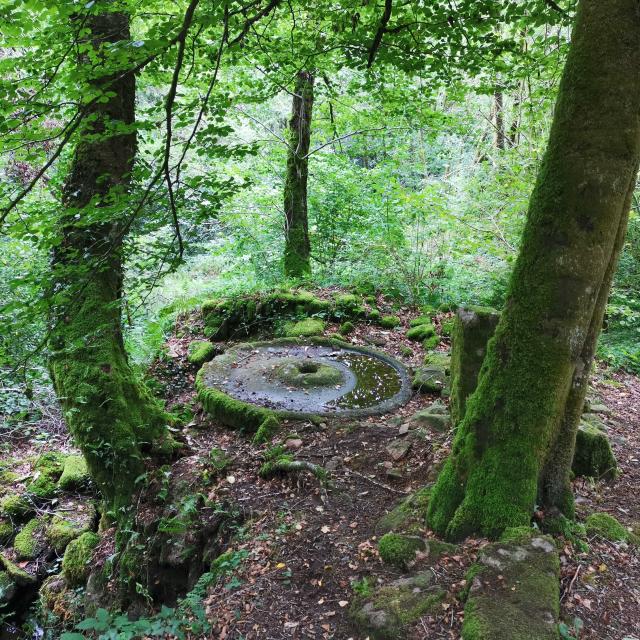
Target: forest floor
{"points": [[304, 550]]}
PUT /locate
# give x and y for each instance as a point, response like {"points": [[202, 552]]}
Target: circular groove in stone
{"points": [[310, 377]]}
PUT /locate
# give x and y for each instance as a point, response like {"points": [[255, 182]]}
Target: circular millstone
{"points": [[315, 376]]}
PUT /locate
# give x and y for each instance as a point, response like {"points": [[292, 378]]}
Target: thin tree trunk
{"points": [[111, 417], [515, 443], [499, 115], [297, 247]]}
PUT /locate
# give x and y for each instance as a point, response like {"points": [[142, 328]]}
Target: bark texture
{"points": [[297, 247], [515, 444], [111, 416]]}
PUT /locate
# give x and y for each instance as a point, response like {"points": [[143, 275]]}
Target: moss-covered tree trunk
{"points": [[111, 416], [297, 247], [514, 447]]}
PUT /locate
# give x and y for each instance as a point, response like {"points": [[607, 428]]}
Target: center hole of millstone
{"points": [[308, 367]]}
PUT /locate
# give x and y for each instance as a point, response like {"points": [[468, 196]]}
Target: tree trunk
{"points": [[297, 247], [498, 103], [111, 417], [513, 449]]}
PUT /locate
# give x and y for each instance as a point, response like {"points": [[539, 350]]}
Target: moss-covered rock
{"points": [[29, 541], [607, 527], [390, 322], [421, 332], [18, 575], [432, 417], [374, 315], [408, 515], [77, 558], [16, 506], [231, 412], [304, 328], [200, 351], [66, 526], [472, 329], [429, 379], [593, 455], [420, 320], [47, 470], [439, 359], [514, 592], [75, 473], [346, 328], [391, 609], [399, 550]]}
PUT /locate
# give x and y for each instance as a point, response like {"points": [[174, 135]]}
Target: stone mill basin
{"points": [[310, 377]]}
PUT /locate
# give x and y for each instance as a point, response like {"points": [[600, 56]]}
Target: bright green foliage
{"points": [[346, 328], [421, 332], [75, 473], [398, 549], [304, 328], [605, 526], [76, 563], [390, 322], [200, 351], [28, 542]]}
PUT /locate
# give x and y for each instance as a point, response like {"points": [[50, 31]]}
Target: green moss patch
{"points": [[269, 427], [75, 473], [77, 558], [390, 322], [607, 527], [16, 506], [200, 351], [400, 550], [421, 332], [304, 328], [346, 328], [18, 575], [29, 542], [420, 320]]}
